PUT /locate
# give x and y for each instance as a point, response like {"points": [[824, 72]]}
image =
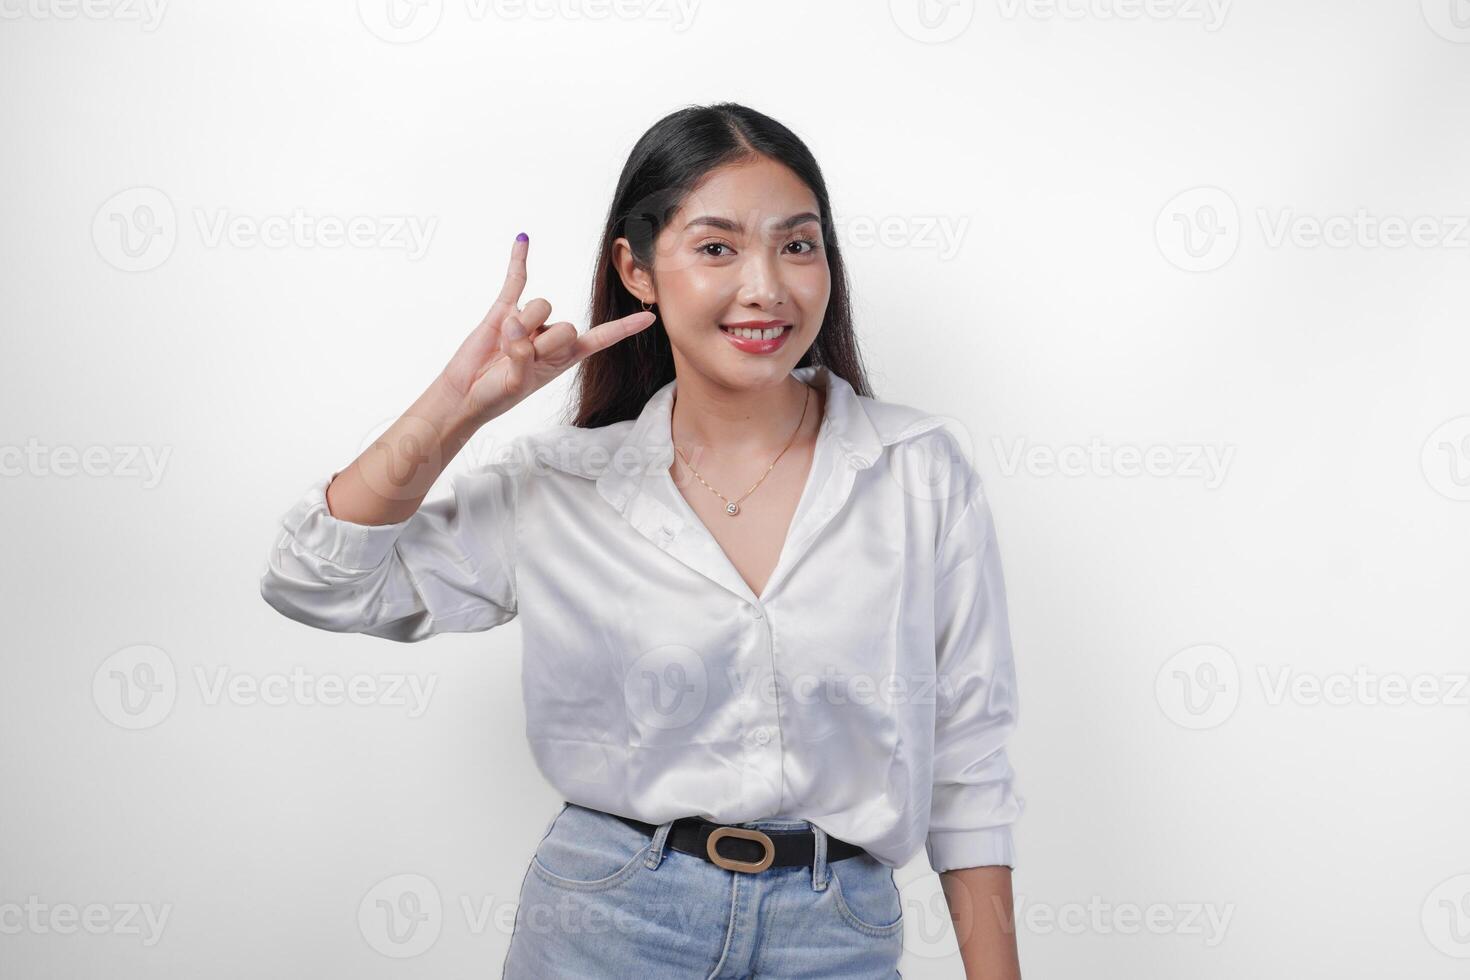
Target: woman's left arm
{"points": [[983, 912], [974, 801]]}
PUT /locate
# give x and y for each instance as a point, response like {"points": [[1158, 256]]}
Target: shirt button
{"points": [[762, 735]]}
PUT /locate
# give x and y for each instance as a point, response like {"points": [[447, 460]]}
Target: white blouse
{"points": [[869, 689]]}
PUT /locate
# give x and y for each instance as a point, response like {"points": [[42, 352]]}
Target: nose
{"points": [[761, 285]]}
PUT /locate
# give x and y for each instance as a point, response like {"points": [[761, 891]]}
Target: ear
{"points": [[636, 279]]}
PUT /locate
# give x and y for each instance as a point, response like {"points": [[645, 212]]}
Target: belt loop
{"points": [[656, 849], [819, 860]]}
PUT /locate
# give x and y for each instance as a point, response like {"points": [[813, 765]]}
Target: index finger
{"points": [[515, 274]]}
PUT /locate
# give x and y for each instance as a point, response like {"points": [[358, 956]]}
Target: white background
{"points": [[1095, 227]]}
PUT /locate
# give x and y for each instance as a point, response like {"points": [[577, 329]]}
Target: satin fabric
{"points": [[869, 689]]}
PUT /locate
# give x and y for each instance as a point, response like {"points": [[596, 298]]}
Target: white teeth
{"points": [[749, 334]]}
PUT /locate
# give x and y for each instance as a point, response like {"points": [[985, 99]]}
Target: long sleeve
{"points": [[450, 567], [974, 801]]}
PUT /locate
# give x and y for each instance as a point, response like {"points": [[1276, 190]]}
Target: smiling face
{"points": [[739, 275]]}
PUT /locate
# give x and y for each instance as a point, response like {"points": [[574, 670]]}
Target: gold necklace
{"points": [[732, 507]]}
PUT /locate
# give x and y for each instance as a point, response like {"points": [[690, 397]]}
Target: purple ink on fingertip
{"points": [[523, 237]]}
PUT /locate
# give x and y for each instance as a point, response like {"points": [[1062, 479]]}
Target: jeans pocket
{"points": [[866, 895], [587, 850]]}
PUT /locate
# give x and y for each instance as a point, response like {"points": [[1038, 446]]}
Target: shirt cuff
{"points": [[357, 547], [950, 849]]}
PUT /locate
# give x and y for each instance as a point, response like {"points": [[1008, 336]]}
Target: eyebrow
{"points": [[725, 224]]}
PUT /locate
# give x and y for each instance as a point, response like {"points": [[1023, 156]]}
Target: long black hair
{"points": [[667, 162]]}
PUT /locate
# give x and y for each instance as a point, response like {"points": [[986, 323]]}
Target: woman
{"points": [[766, 651]]}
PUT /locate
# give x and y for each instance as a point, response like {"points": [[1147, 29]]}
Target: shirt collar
{"points": [[648, 447], [636, 482]]}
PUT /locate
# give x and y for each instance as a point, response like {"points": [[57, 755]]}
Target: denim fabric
{"points": [[601, 900]]}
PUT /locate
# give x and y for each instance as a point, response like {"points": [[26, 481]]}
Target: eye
{"points": [[811, 246]]}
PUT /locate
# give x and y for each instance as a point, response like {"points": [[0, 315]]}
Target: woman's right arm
{"points": [[363, 551]]}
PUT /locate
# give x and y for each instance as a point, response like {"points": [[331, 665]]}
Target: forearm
{"points": [[388, 481], [981, 907]]}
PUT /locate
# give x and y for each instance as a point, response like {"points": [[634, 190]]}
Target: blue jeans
{"points": [[601, 900]]}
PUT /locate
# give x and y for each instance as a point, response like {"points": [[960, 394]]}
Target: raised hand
{"points": [[514, 351]]}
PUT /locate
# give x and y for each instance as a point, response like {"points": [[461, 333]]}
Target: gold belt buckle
{"points": [[749, 867]]}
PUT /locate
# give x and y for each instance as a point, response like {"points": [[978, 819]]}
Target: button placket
{"points": [[760, 738]]}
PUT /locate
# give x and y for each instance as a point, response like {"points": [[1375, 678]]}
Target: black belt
{"points": [[745, 849]]}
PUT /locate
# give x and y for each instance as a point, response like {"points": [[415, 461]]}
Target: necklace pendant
{"points": [[732, 508]]}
